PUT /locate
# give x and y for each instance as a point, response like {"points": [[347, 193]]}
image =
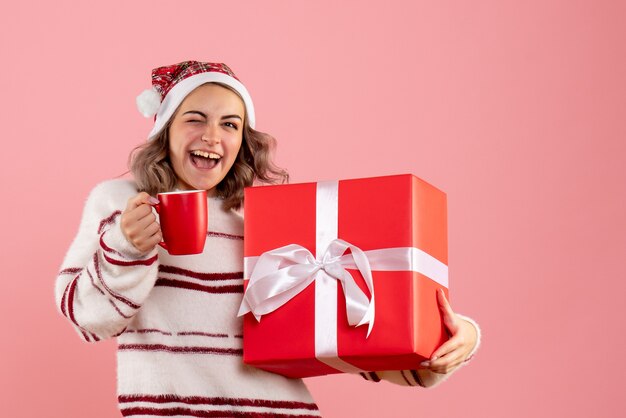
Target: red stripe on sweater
{"points": [[237, 288], [149, 331], [119, 311], [146, 262], [223, 235], [108, 220], [408, 382], [417, 378], [70, 307], [182, 350], [203, 334], [202, 276], [93, 283], [70, 300], [70, 270], [374, 377], [117, 296], [120, 333], [106, 248], [182, 333], [201, 400], [186, 412], [64, 298]]}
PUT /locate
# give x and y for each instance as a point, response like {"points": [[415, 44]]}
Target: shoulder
{"points": [[104, 203]]}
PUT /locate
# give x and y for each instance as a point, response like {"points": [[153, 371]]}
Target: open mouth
{"points": [[204, 159]]}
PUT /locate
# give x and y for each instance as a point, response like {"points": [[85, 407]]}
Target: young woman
{"points": [[175, 317]]}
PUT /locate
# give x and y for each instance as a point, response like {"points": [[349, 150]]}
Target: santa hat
{"points": [[171, 84]]}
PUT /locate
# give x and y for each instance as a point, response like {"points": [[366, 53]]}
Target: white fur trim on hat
{"points": [[177, 94]]}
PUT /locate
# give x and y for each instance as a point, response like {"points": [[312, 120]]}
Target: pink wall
{"points": [[516, 109]]}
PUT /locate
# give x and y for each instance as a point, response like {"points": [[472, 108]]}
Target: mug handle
{"points": [[157, 206]]}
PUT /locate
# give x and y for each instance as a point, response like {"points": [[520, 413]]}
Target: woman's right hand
{"points": [[139, 224]]}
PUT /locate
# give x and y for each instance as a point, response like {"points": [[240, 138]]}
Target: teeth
{"points": [[200, 153], [205, 154]]}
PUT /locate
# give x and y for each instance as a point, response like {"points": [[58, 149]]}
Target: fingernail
{"points": [[434, 358], [153, 200], [425, 364]]}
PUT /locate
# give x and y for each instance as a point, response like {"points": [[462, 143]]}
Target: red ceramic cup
{"points": [[184, 218]]}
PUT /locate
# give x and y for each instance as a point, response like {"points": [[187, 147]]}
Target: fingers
{"points": [[454, 351], [137, 208], [150, 242], [445, 358], [444, 305], [144, 221], [449, 318], [446, 348], [141, 199], [144, 237], [139, 224], [446, 363], [135, 220]]}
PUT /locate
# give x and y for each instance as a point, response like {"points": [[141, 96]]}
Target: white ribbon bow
{"points": [[282, 273]]}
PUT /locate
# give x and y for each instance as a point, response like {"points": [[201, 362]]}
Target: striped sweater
{"points": [[175, 317]]}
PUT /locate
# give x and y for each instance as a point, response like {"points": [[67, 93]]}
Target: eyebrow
{"points": [[231, 116], [197, 112]]}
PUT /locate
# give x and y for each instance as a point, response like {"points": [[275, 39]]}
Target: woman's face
{"points": [[205, 137]]}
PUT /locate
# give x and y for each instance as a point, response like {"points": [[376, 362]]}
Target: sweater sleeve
{"points": [[421, 377], [104, 279]]}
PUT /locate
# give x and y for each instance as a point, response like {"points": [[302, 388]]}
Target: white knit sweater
{"points": [[175, 317]]}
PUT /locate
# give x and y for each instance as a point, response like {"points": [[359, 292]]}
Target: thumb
{"points": [[449, 318]]}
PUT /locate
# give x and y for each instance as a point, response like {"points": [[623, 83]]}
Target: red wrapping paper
{"points": [[373, 213]]}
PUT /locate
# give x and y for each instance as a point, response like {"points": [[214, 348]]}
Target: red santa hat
{"points": [[171, 84]]}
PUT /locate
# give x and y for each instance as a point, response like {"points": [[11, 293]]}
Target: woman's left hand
{"points": [[462, 340]]}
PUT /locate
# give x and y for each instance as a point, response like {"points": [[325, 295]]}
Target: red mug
{"points": [[184, 219]]}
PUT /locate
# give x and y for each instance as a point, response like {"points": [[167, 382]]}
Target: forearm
{"points": [[423, 377], [414, 377], [103, 280], [478, 336], [101, 297]]}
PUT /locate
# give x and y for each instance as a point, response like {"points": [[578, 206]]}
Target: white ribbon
{"points": [[278, 275], [281, 274]]}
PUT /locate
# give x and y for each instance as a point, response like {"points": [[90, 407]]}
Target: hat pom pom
{"points": [[148, 102]]}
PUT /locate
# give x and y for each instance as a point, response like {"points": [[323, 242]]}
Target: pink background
{"points": [[516, 109]]}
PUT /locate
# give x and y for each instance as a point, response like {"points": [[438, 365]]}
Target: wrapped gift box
{"points": [[399, 223]]}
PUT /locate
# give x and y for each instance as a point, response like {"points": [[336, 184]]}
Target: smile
{"points": [[204, 160]]}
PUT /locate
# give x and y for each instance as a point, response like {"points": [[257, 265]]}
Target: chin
{"points": [[208, 186], [202, 183]]}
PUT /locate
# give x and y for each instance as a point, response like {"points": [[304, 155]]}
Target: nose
{"points": [[211, 136]]}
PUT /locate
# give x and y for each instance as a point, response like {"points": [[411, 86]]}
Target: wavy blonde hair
{"points": [[153, 172]]}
